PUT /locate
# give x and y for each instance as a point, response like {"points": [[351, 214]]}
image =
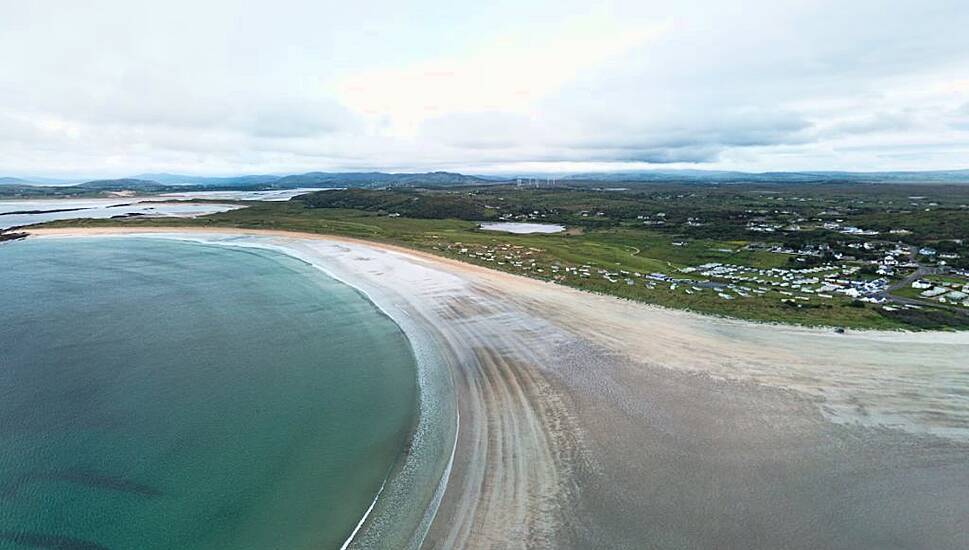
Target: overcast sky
{"points": [[110, 88]]}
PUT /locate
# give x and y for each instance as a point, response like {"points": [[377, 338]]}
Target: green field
{"points": [[624, 251]]}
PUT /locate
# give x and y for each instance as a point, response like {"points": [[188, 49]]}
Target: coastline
{"points": [[581, 415], [383, 524]]}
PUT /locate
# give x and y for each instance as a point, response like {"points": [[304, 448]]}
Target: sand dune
{"points": [[590, 422]]}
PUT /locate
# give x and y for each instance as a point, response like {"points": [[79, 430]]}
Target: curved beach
{"points": [[587, 421]]}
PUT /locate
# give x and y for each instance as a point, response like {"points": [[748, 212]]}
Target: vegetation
{"points": [[651, 243], [162, 183], [12, 236], [409, 203]]}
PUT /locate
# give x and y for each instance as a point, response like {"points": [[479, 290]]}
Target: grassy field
{"points": [[626, 254]]}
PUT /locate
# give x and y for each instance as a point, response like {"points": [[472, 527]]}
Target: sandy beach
{"points": [[591, 422]]}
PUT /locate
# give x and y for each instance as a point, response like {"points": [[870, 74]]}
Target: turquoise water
{"points": [[164, 394]]}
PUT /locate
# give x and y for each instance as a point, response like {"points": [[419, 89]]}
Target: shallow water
{"points": [[19, 213], [273, 195], [522, 228], [163, 394]]}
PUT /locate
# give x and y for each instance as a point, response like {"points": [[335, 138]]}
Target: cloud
{"points": [[960, 118], [611, 134], [873, 123], [116, 87], [298, 119], [507, 74]]}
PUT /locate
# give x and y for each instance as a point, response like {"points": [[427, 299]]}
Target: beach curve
{"points": [[583, 417]]}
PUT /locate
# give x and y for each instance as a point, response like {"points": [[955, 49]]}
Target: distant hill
{"points": [[123, 184], [35, 181], [382, 179], [934, 176], [718, 176], [10, 189], [209, 181], [323, 179], [89, 188], [160, 182], [164, 182]]}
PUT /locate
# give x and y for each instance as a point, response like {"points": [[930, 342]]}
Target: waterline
{"points": [[389, 521], [244, 367]]}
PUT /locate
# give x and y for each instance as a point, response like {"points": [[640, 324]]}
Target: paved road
{"points": [[920, 272]]}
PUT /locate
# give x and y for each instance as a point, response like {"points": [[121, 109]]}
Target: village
{"points": [[869, 281], [836, 256]]}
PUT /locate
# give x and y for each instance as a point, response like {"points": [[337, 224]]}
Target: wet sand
{"points": [[591, 422]]}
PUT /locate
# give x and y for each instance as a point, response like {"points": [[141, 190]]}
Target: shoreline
{"points": [[421, 426], [588, 420], [39, 230], [377, 527]]}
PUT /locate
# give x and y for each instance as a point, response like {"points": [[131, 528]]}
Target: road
{"points": [[920, 272]]}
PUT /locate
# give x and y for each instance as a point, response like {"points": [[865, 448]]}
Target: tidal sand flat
{"points": [[168, 394], [16, 213], [590, 422], [272, 195]]}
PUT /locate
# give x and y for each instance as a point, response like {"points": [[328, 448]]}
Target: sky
{"points": [[118, 87]]}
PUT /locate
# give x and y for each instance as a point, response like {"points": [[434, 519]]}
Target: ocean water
{"points": [[166, 394]]}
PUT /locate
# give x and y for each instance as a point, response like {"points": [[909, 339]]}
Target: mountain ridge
{"points": [[153, 182]]}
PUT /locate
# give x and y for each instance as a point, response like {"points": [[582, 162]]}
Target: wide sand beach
{"points": [[590, 422]]}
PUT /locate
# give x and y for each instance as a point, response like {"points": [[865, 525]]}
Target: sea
{"points": [[169, 394]]}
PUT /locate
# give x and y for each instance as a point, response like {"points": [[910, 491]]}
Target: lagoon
{"points": [[522, 228]]}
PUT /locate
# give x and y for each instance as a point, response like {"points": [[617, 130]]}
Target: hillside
{"points": [[410, 203], [718, 176], [123, 184], [208, 181], [380, 179]]}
